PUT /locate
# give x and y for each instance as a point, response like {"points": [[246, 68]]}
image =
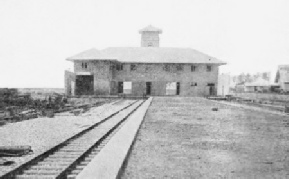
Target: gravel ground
{"points": [[184, 138], [44, 133], [265, 107]]}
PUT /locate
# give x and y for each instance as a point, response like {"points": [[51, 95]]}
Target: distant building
{"points": [[282, 77], [240, 87], [260, 85], [225, 84], [149, 69]]}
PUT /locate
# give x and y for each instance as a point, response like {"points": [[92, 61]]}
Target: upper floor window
{"points": [[147, 68], [179, 67], [209, 68], [132, 67], [119, 67], [112, 67], [166, 67], [194, 84], [173, 67], [84, 65], [193, 68]]}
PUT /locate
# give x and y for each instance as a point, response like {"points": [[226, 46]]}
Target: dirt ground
{"points": [[185, 138]]}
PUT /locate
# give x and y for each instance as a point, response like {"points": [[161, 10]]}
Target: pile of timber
{"points": [[217, 98], [15, 151]]}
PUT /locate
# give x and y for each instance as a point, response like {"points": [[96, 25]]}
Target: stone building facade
{"points": [[149, 70]]}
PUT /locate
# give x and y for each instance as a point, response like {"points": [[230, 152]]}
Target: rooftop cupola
{"points": [[150, 36]]}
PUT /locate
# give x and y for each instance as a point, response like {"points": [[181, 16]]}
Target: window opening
{"points": [[179, 67], [193, 68], [119, 67], [178, 88], [132, 67], [194, 84]]}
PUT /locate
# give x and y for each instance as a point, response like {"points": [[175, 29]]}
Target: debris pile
{"points": [[15, 151], [17, 107]]}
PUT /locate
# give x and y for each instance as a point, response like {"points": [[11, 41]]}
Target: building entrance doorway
{"points": [[178, 88], [211, 89], [148, 88], [84, 85], [120, 87]]}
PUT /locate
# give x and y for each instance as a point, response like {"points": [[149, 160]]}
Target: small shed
{"points": [[240, 87], [260, 85]]}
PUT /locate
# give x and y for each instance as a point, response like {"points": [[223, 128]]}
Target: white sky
{"points": [[36, 36]]}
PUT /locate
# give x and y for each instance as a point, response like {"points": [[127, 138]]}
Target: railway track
{"points": [[67, 159]]}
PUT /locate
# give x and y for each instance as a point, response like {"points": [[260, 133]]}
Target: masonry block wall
{"points": [[150, 39], [107, 76], [102, 74], [159, 77]]}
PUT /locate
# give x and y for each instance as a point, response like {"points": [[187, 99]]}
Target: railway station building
{"points": [[146, 70]]}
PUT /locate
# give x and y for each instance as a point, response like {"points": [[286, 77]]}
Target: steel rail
{"points": [[17, 171]]}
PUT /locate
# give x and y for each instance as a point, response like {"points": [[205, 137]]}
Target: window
{"points": [[119, 67], [148, 88], [132, 67], [178, 91], [120, 87], [173, 67], [166, 67], [193, 68], [127, 87], [194, 84], [179, 67], [147, 68], [84, 65], [112, 67], [209, 68]]}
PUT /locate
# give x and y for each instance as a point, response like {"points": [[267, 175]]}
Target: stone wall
{"points": [[150, 39], [159, 77], [102, 74], [106, 77]]}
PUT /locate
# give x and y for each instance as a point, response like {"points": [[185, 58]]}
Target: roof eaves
{"points": [[91, 59], [150, 29]]}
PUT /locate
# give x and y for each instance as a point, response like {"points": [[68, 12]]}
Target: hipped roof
{"points": [[147, 55], [283, 67], [259, 82], [150, 29]]}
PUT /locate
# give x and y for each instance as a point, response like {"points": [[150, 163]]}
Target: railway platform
{"points": [[109, 162]]}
